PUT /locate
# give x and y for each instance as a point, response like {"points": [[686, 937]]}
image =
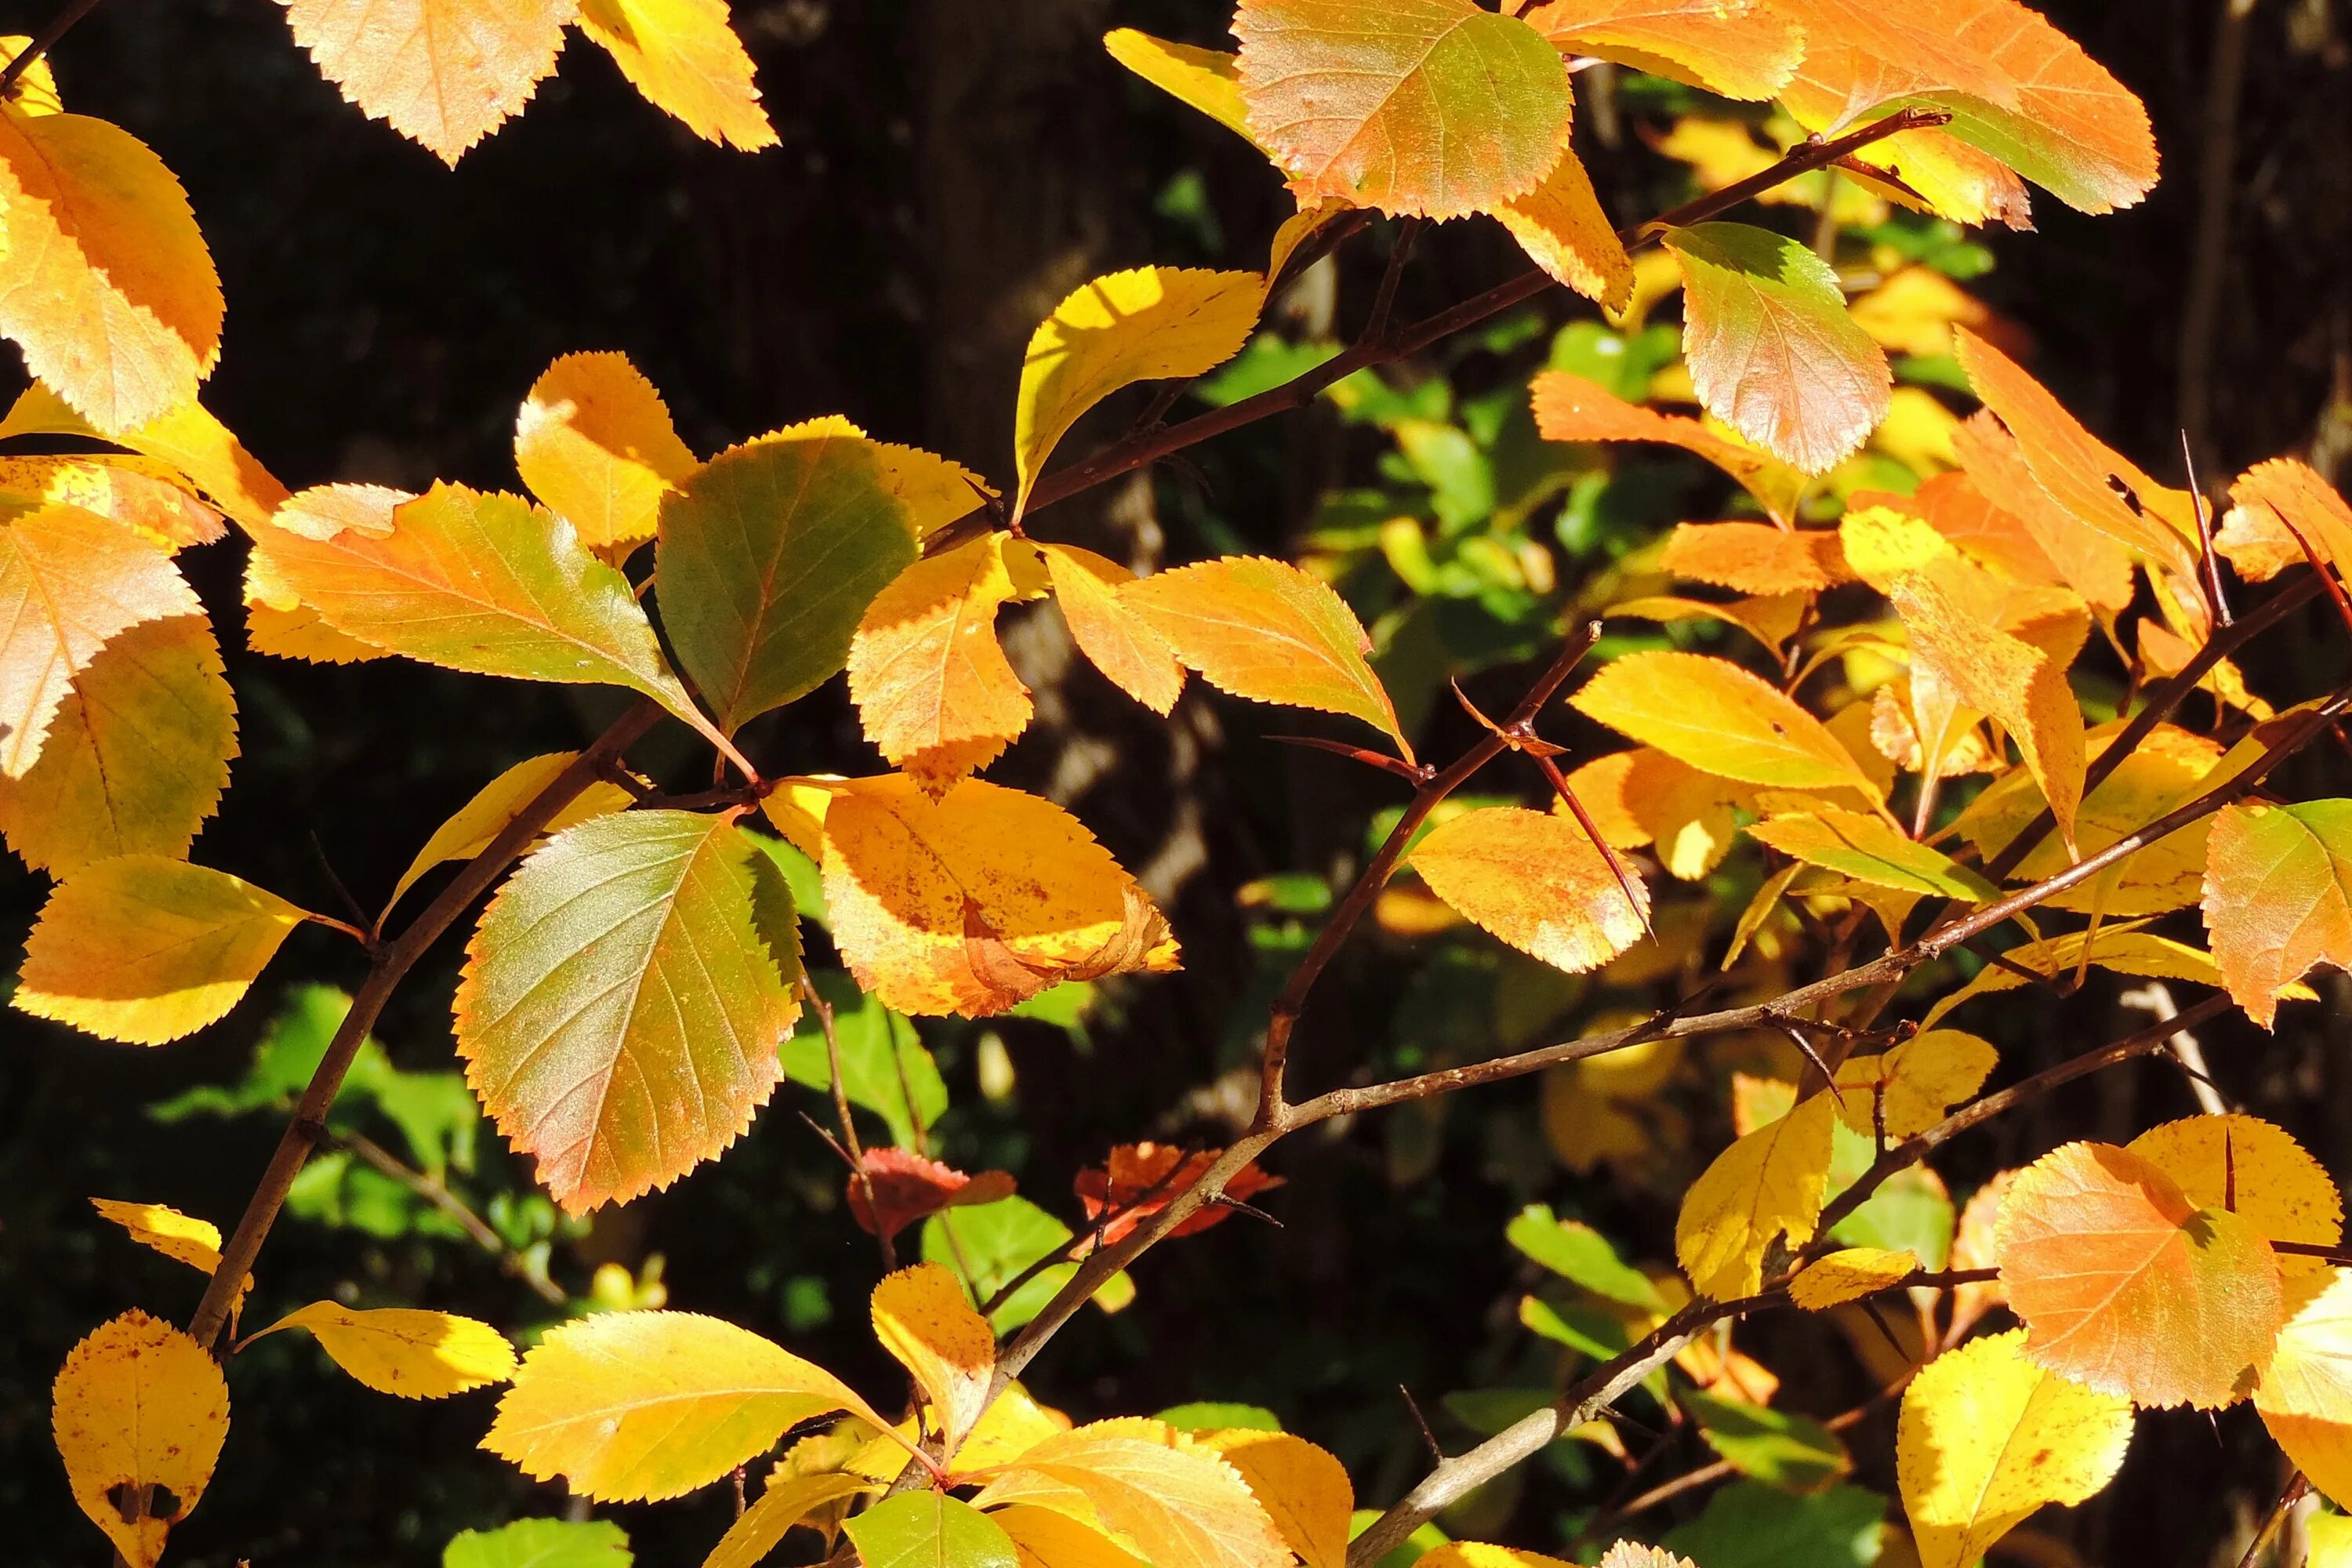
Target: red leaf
{"points": [[1137, 1180], [908, 1187]]}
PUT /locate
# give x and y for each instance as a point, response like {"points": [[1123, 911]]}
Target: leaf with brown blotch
{"points": [[2126, 1287], [1173, 1498], [2016, 88], [908, 1187], [105, 283], [1428, 107], [932, 686], [1736, 49], [1756, 557], [1135, 1181], [446, 73], [683, 57], [138, 1406], [1266, 630], [621, 1007], [1570, 408], [1771, 350], [71, 581], [1129, 653], [1537, 881], [973, 902], [594, 443], [1563, 228], [145, 494], [2275, 901]]}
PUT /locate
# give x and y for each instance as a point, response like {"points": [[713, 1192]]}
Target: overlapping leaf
{"points": [[1562, 226], [1179, 1503], [683, 57], [1568, 408], [1711, 714], [498, 802], [2306, 1393], [1112, 636], [1768, 1185], [2275, 899], [932, 686], [1737, 49], [594, 442]]}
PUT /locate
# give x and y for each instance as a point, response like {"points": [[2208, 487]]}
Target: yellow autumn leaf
{"points": [[683, 56], [972, 902], [1849, 1276], [106, 284], [935, 490], [2305, 1396], [1129, 653], [1046, 1538], [71, 581], [1769, 1185], [1756, 557], [594, 443], [139, 1405], [1907, 1089], [446, 73], [413, 1353], [1560, 225], [2257, 1170], [1173, 1498], [787, 1500], [933, 688], [36, 90], [1484, 1554], [277, 621], [146, 495], [1986, 1437], [136, 757], [143, 950], [1200, 79], [1302, 1487], [1266, 630], [1012, 1424], [1150, 323], [499, 802], [638, 1407], [1717, 718], [923, 1318], [187, 438], [1644, 796], [1536, 880], [181, 1238]]}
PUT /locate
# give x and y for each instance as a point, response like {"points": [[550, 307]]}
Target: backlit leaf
{"points": [[2268, 496], [1570, 408], [1563, 228], [2125, 1285], [932, 686], [142, 949], [277, 621], [183, 1239], [143, 493], [1205, 80], [594, 442], [138, 1404], [105, 283], [1266, 630], [921, 1318], [989, 1245], [1135, 1181], [2256, 1171], [1150, 323], [977, 901], [770, 554], [1769, 1185], [1770, 347], [620, 1012], [1179, 1503], [1302, 1487], [1484, 1554], [1432, 107], [638, 1407], [1628, 1554], [1644, 796], [884, 1066], [1849, 1276], [413, 1353], [929, 1530], [1577, 1252], [69, 582], [482, 583], [1907, 1089], [1738, 49], [908, 1187], [498, 802], [1867, 849], [539, 1543], [787, 1500], [2306, 1393], [683, 57], [1986, 1437], [2091, 563], [1044, 1539], [1113, 638], [2015, 86], [2275, 901], [1716, 717], [1755, 558], [186, 436], [135, 758], [443, 72], [1536, 880]]}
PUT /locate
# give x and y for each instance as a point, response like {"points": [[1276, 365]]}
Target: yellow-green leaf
{"points": [[1717, 718], [143, 950], [413, 1353], [1869, 850], [1768, 1186], [787, 1500]]}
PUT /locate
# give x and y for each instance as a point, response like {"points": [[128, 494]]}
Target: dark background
{"points": [[949, 170]]}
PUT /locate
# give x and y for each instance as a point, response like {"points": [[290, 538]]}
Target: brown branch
{"points": [[43, 42], [391, 966]]}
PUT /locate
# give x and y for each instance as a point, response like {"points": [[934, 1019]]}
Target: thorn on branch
{"points": [[1414, 774]]}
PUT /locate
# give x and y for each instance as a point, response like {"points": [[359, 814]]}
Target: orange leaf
{"points": [[138, 492], [594, 443], [1118, 642], [2304, 1397], [1266, 630], [1135, 1181], [2091, 562], [1536, 880], [1755, 558], [1645, 796], [2127, 1286], [2264, 499], [1570, 408], [931, 683], [1560, 225], [187, 438], [2275, 899], [908, 1187], [1738, 49], [443, 72]]}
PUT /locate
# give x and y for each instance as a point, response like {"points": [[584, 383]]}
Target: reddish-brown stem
{"points": [[43, 42], [391, 964]]}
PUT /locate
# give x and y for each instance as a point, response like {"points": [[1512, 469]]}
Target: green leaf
{"points": [[1578, 1252], [1910, 1212], [929, 1530], [884, 1066], [1749, 1525], [770, 554], [484, 583], [800, 874], [1214, 1415], [540, 1544], [1771, 350], [1778, 1447], [619, 1013], [993, 1242]]}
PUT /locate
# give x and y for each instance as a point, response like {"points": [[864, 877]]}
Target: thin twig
{"points": [[2296, 1485], [43, 42], [435, 1192], [855, 1151]]}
